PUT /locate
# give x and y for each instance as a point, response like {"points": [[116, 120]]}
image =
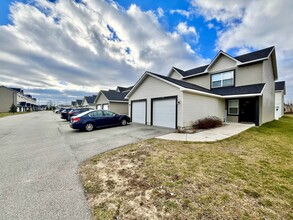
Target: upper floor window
{"points": [[223, 79]]}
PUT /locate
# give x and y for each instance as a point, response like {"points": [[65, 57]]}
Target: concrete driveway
{"points": [[39, 158]]}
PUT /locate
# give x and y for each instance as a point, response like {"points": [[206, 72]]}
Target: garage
{"points": [[164, 112], [99, 107], [105, 106], [138, 111]]}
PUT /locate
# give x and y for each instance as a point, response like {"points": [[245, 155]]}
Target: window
{"points": [[109, 114], [96, 114], [233, 107], [223, 79]]}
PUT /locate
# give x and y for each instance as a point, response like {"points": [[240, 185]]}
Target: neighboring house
{"points": [[280, 92], [89, 101], [73, 103], [112, 100], [78, 103], [123, 89], [9, 96], [235, 89]]}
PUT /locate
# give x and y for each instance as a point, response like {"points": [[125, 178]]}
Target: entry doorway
{"points": [[248, 110]]}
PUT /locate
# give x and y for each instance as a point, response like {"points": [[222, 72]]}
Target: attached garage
{"points": [[164, 112], [138, 111], [106, 107]]}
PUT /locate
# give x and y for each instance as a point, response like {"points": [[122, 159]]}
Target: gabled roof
{"points": [[191, 72], [239, 90], [182, 83], [124, 89], [78, 101], [225, 92], [113, 95], [90, 99], [221, 53], [73, 103], [17, 89], [279, 86], [255, 56]]}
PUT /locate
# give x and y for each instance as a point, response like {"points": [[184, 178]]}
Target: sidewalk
{"points": [[210, 135]]}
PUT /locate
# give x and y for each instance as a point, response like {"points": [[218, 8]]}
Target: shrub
{"points": [[13, 108], [208, 122]]}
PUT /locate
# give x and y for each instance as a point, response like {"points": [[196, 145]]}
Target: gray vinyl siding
{"points": [[201, 80], [102, 100], [6, 99], [198, 106], [175, 75], [222, 63], [244, 75], [268, 100], [232, 118], [154, 88], [119, 108], [248, 74]]}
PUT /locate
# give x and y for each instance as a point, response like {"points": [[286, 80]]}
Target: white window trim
{"points": [[229, 113], [221, 80]]}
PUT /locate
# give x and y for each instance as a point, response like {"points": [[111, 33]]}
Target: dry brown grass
{"points": [[249, 176], [5, 114]]}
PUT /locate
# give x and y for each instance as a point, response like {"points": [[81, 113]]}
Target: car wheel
{"points": [[89, 127], [123, 122]]}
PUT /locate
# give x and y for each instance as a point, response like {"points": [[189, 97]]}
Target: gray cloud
{"points": [[251, 25], [70, 48]]}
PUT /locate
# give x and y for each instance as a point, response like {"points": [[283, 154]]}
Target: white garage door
{"points": [[106, 107], [139, 112], [164, 113], [99, 107]]}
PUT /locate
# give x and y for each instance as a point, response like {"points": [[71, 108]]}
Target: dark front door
{"points": [[247, 109]]}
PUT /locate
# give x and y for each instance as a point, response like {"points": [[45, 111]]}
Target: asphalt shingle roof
{"points": [[239, 90], [113, 95], [224, 91], [78, 101], [124, 89], [280, 85], [90, 99], [256, 55], [184, 84]]}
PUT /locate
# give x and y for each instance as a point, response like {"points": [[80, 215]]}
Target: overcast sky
{"points": [[63, 50]]}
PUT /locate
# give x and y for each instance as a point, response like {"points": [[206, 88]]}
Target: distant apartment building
{"points": [[23, 102]]}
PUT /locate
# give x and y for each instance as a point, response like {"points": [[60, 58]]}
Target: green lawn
{"points": [[248, 176], [5, 114]]}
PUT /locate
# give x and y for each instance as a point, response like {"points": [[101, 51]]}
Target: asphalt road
{"points": [[39, 158]]}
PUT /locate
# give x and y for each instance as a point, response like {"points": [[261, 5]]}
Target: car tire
{"points": [[123, 122], [89, 127]]}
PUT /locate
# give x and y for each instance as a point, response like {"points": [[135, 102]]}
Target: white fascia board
{"points": [[175, 71], [136, 85], [197, 74], [253, 61], [225, 54], [241, 96], [150, 74], [118, 101], [166, 81], [169, 74], [200, 93]]}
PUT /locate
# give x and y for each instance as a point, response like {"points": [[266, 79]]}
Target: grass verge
{"points": [[248, 176], [5, 114]]}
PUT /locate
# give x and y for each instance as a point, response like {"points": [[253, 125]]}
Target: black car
{"points": [[64, 113], [58, 111], [77, 111], [97, 118]]}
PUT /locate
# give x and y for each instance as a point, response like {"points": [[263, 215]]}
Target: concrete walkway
{"points": [[210, 135]]}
